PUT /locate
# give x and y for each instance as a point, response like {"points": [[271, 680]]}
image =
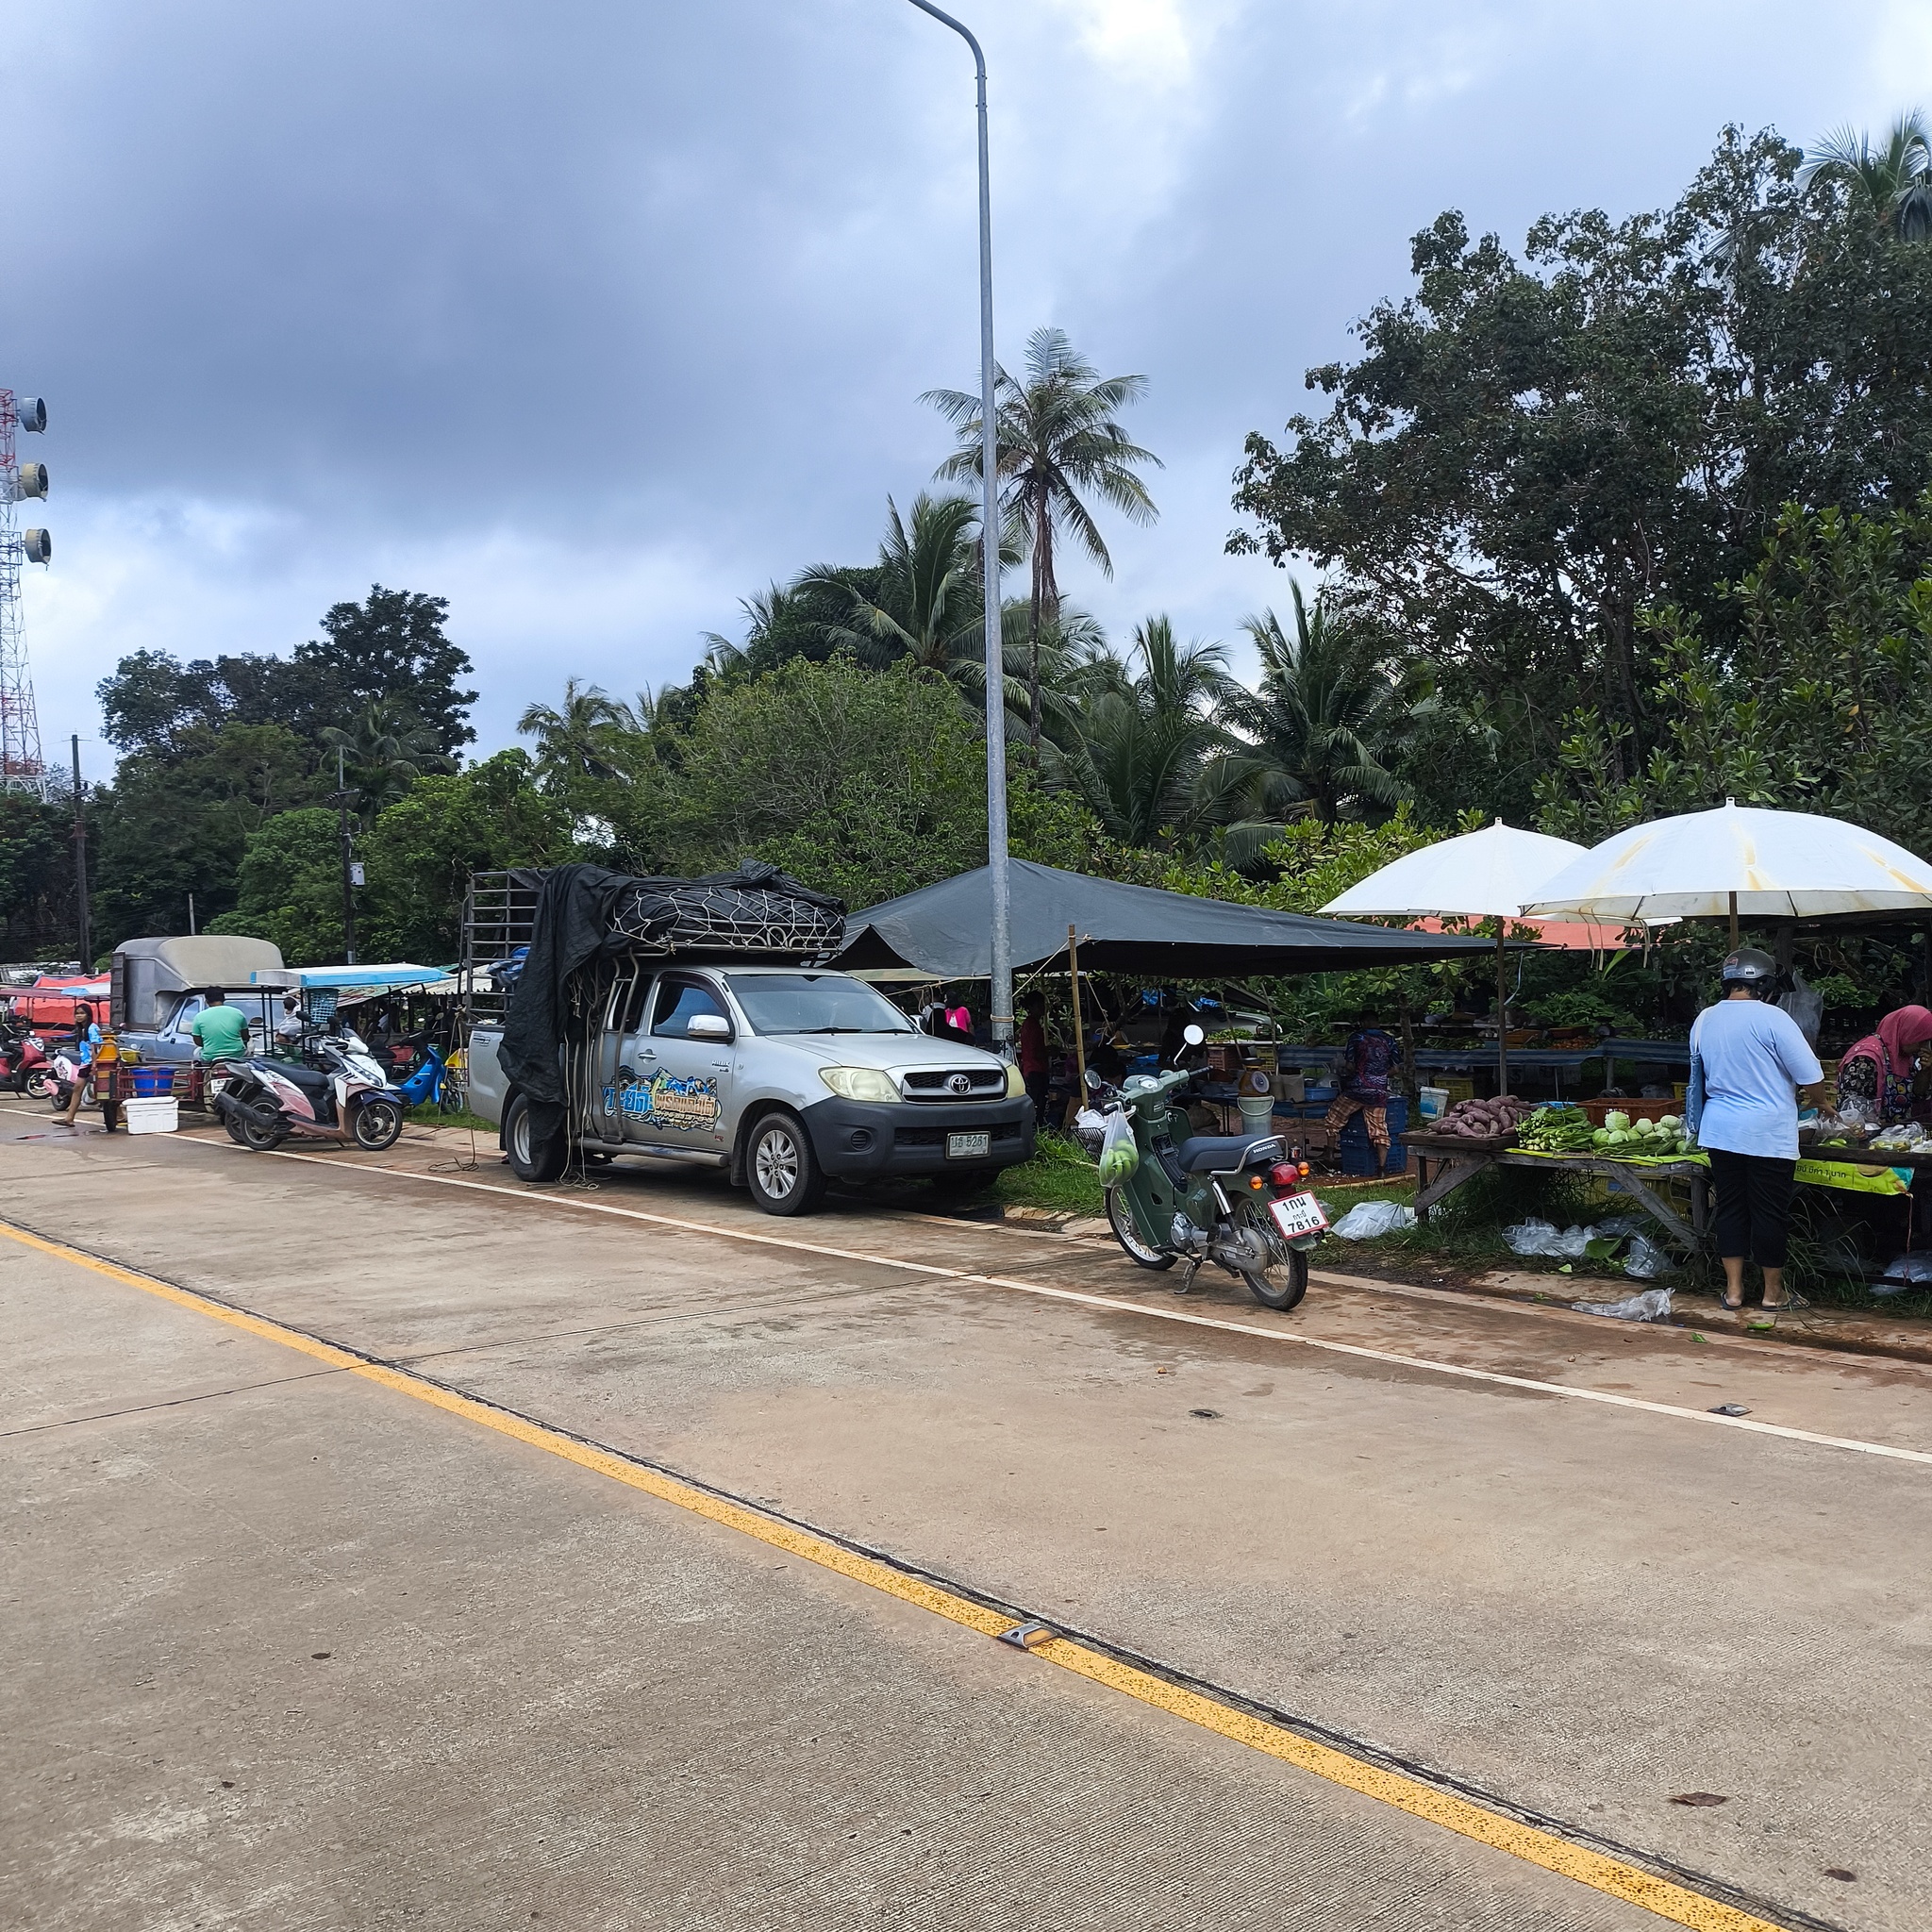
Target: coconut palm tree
{"points": [[1153, 763], [383, 751], [1058, 443], [928, 605], [1315, 729], [1893, 184], [579, 741]]}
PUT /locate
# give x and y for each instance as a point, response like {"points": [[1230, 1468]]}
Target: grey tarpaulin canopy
{"points": [[946, 930]]}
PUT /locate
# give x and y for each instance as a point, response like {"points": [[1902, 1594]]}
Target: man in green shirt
{"points": [[219, 1029]]}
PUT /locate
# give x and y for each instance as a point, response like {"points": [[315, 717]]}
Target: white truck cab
{"points": [[786, 1076]]}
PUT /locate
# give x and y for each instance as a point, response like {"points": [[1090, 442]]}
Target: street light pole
{"points": [[340, 798], [1002, 1015]]}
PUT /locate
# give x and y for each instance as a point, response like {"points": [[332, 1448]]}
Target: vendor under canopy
{"points": [[1874, 1077]]}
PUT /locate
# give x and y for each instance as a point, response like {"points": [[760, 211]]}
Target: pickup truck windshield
{"points": [[815, 1002]]}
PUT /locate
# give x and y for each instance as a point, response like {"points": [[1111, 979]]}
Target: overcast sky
{"points": [[593, 318]]}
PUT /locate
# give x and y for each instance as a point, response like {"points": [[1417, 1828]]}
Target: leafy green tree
{"points": [[288, 888], [1057, 442], [177, 821], [421, 852], [1528, 455], [386, 651], [862, 782], [1820, 699], [390, 646], [37, 909], [1891, 186]]}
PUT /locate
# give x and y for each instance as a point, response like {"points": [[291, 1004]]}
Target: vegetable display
{"points": [[1620, 1138], [1482, 1119], [1558, 1129]]}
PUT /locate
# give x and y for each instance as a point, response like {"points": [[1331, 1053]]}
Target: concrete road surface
{"points": [[545, 1696]]}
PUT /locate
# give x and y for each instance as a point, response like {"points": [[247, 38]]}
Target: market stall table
{"points": [[1442, 1165]]}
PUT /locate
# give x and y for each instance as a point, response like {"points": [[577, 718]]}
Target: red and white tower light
{"points": [[22, 767]]}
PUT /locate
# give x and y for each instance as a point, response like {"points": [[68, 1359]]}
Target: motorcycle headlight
{"points": [[859, 1083], [1016, 1081]]}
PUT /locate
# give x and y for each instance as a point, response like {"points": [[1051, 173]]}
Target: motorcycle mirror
{"points": [[1094, 1081], [1194, 1035]]}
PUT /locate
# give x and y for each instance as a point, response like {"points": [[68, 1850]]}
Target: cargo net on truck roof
{"points": [[738, 913], [756, 911]]}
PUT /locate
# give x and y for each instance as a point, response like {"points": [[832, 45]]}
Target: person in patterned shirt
{"points": [[1362, 1077], [1875, 1076]]}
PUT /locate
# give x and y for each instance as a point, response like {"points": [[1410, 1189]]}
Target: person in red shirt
{"points": [[1033, 1054]]}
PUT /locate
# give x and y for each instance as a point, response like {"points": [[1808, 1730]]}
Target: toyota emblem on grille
{"points": [[958, 1083]]}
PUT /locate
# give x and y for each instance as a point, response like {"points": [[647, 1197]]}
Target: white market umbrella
{"points": [[1739, 861], [1486, 875]]}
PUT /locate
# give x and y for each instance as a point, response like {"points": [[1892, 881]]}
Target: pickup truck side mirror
{"points": [[708, 1027]]}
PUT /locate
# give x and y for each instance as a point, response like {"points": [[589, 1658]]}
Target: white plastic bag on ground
{"points": [[1644, 1260], [1535, 1237], [1653, 1305], [1367, 1221]]}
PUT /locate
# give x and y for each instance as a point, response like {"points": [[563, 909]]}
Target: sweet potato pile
{"points": [[1482, 1119]]}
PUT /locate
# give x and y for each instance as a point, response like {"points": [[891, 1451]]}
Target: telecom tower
{"points": [[22, 767]]}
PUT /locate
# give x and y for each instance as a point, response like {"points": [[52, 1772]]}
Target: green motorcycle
{"points": [[1239, 1201]]}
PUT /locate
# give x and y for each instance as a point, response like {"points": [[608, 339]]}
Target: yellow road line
{"points": [[1115, 1304], [1614, 1876]]}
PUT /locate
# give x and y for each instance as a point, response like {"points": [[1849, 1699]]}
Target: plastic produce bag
{"points": [[1541, 1237], [1368, 1221], [1910, 1268], [1089, 1129], [1653, 1305], [1804, 1006], [1119, 1156], [1644, 1260]]}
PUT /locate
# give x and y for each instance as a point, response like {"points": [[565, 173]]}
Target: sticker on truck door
{"points": [[686, 1105]]}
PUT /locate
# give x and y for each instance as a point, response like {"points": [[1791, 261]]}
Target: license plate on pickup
{"points": [[1298, 1214], [969, 1146]]}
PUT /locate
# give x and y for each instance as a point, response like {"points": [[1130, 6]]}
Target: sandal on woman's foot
{"points": [[1729, 1307]]}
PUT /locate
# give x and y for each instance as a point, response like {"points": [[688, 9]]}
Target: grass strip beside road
{"points": [[1536, 1843]]}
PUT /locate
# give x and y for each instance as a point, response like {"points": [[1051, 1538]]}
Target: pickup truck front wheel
{"points": [[531, 1160], [783, 1172]]}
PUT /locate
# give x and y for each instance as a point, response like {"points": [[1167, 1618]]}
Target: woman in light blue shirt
{"points": [[1747, 1062]]}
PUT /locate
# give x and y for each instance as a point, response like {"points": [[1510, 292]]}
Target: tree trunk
{"points": [[1045, 606]]}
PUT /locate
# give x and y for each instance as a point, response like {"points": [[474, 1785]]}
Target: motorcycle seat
{"points": [[312, 1077], [1227, 1153]]}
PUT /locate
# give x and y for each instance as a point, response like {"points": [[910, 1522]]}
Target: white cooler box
{"points": [[159, 1113]]}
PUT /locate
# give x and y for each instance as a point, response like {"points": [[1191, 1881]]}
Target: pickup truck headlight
{"points": [[1016, 1081], [859, 1083]]}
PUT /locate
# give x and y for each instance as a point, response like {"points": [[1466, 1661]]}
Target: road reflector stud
{"points": [[1029, 1635]]}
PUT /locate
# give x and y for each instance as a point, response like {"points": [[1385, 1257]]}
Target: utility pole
{"points": [[82, 909], [340, 801], [1002, 1015]]}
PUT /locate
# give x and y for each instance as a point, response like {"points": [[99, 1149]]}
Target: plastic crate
{"points": [[1359, 1153], [1636, 1109]]}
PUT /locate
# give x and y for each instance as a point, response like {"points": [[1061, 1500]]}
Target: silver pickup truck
{"points": [[786, 1076]]}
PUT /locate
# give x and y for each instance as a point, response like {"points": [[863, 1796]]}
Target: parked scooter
{"points": [[425, 1082], [25, 1065], [344, 1096], [1240, 1201]]}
